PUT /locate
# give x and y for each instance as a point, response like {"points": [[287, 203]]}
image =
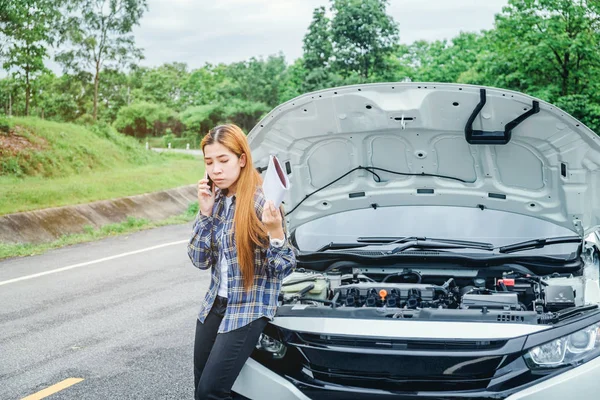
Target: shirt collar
{"points": [[220, 195]]}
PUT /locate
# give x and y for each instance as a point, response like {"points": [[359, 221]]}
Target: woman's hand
{"points": [[206, 197], [272, 219]]}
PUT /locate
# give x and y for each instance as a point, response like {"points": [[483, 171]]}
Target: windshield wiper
{"points": [[340, 246], [538, 243], [409, 242], [434, 244]]}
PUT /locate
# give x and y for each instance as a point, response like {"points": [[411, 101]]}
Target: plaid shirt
{"points": [[271, 266]]}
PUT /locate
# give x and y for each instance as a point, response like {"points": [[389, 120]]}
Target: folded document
{"points": [[276, 182]]}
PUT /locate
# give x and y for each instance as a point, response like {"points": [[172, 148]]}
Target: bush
{"points": [[147, 119], [200, 119], [244, 113], [4, 125], [582, 108]]}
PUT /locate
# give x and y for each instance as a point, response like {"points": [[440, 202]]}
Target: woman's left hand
{"points": [[272, 219]]}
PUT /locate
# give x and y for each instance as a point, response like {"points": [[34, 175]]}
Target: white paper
{"points": [[276, 182]]}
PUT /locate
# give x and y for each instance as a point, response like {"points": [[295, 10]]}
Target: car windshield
{"points": [[497, 227]]}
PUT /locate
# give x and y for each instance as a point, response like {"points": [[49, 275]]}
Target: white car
{"points": [[441, 233]]}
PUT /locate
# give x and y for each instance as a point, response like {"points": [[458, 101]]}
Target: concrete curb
{"points": [[51, 223]]}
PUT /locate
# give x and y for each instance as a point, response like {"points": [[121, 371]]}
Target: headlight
{"points": [[270, 345], [566, 350]]}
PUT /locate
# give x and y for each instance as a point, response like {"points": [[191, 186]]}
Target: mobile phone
{"points": [[211, 185]]}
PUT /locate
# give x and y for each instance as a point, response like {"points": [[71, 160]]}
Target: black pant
{"points": [[219, 358]]}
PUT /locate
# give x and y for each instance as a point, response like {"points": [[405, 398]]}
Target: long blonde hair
{"points": [[249, 230]]}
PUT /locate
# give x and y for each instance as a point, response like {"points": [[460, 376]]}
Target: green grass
{"points": [[36, 192], [129, 226], [62, 149], [66, 164]]}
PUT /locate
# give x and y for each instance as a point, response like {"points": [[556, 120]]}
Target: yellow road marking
{"points": [[53, 389]]}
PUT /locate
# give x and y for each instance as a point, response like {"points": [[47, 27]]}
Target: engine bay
{"points": [[482, 294]]}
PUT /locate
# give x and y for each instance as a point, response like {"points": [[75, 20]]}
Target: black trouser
{"points": [[219, 358]]}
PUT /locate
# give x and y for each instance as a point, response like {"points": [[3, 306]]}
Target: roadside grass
{"points": [[49, 164], [128, 226], [32, 193], [36, 147]]}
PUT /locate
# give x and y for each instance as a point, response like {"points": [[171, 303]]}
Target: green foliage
{"points": [[583, 108], [29, 27], [200, 119], [98, 34], [163, 85], [318, 48], [363, 36], [545, 48], [244, 113], [442, 61], [547, 44], [256, 80], [5, 125], [146, 119]]}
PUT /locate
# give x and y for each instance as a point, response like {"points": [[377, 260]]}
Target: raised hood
{"points": [[447, 144]]}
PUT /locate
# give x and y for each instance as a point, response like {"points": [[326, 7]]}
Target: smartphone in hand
{"points": [[211, 185]]}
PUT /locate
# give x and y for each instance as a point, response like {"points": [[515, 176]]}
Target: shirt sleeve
{"points": [[199, 247], [281, 260]]}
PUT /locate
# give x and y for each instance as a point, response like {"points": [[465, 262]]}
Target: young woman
{"points": [[241, 237]]}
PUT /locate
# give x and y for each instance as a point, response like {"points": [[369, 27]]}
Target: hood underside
{"points": [[393, 144]]}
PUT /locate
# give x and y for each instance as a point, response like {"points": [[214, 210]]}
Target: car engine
{"points": [[412, 289]]}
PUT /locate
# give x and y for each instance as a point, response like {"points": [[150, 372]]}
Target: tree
{"points": [[256, 80], [113, 93], [363, 36], [98, 32], [548, 45], [28, 30], [317, 44], [146, 119], [201, 86], [164, 85], [8, 94], [443, 61]]}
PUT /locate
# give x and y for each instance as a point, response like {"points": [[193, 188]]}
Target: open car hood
{"points": [[390, 144]]}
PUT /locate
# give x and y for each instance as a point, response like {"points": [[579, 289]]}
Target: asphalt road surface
{"points": [[113, 319]]}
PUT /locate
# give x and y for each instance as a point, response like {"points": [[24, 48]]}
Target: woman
{"points": [[241, 237]]}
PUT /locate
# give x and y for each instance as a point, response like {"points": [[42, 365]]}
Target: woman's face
{"points": [[223, 166]]}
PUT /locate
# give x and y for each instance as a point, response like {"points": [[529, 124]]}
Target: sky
{"points": [[197, 32], [200, 31]]}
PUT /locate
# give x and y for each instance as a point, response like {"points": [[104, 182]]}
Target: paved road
{"points": [[197, 153], [124, 323]]}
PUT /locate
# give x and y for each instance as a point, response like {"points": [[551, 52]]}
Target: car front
{"points": [[441, 234]]}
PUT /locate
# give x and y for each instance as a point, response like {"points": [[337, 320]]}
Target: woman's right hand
{"points": [[206, 197]]}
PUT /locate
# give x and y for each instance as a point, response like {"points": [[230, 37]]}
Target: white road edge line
{"points": [[54, 271]]}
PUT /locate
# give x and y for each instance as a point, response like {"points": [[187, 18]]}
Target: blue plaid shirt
{"points": [[271, 266]]}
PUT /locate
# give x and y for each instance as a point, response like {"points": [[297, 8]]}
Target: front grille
{"points": [[425, 345], [400, 365], [402, 384]]}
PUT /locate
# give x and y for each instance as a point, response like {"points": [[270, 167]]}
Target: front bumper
{"points": [[257, 382]]}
